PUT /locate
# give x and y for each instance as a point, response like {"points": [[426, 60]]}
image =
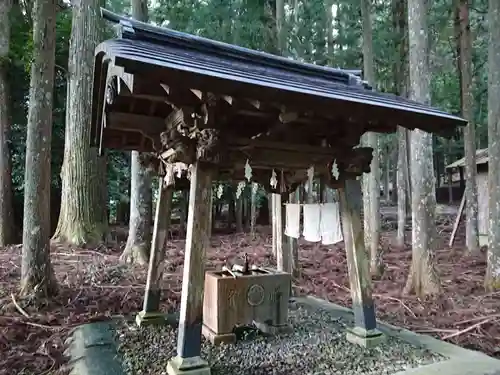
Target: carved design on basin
{"points": [[255, 295]]}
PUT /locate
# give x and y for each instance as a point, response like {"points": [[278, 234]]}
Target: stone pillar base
{"points": [[150, 318], [218, 338], [188, 366], [273, 330], [362, 337]]}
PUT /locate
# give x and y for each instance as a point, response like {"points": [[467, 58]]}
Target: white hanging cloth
{"points": [[312, 221], [331, 231], [292, 224]]}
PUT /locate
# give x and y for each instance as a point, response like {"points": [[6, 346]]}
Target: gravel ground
{"points": [[317, 346]]}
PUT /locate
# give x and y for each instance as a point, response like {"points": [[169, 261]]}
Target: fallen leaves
{"points": [[95, 286]]}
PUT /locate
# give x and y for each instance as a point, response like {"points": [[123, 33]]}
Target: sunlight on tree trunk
{"points": [[371, 181], [464, 47], [492, 279], [139, 235], [423, 279], [37, 274], [81, 220], [6, 208]]}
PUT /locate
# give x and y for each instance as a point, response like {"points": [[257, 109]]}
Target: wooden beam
{"points": [[191, 319], [150, 313], [365, 331], [127, 78], [244, 143], [134, 122], [286, 117]]}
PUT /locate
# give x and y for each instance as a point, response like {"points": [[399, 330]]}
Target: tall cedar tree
{"points": [[371, 181], [139, 235], [6, 210], [401, 88], [464, 63], [37, 275], [492, 280], [422, 279], [81, 220]]}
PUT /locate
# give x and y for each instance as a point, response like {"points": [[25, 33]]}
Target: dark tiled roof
{"points": [[143, 47]]}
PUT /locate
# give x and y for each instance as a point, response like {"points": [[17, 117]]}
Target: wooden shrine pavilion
{"points": [[218, 109]]}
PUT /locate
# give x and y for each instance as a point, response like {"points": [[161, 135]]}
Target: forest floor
{"points": [[94, 285]]}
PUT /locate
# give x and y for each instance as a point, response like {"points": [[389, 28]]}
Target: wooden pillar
{"points": [[365, 331], [150, 313], [292, 243], [193, 278], [277, 222], [283, 248]]}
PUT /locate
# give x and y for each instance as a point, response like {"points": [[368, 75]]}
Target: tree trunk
{"points": [[7, 230], [253, 208], [371, 181], [394, 176], [387, 182], [401, 88], [464, 47], [401, 186], [280, 18], [139, 236], [330, 42], [492, 279], [422, 279], [231, 210], [81, 219], [37, 274], [238, 210], [183, 214], [102, 207], [309, 190]]}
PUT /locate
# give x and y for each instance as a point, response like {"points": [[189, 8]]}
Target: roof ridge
{"points": [[137, 30]]}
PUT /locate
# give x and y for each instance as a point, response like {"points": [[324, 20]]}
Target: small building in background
{"points": [[482, 189]]}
